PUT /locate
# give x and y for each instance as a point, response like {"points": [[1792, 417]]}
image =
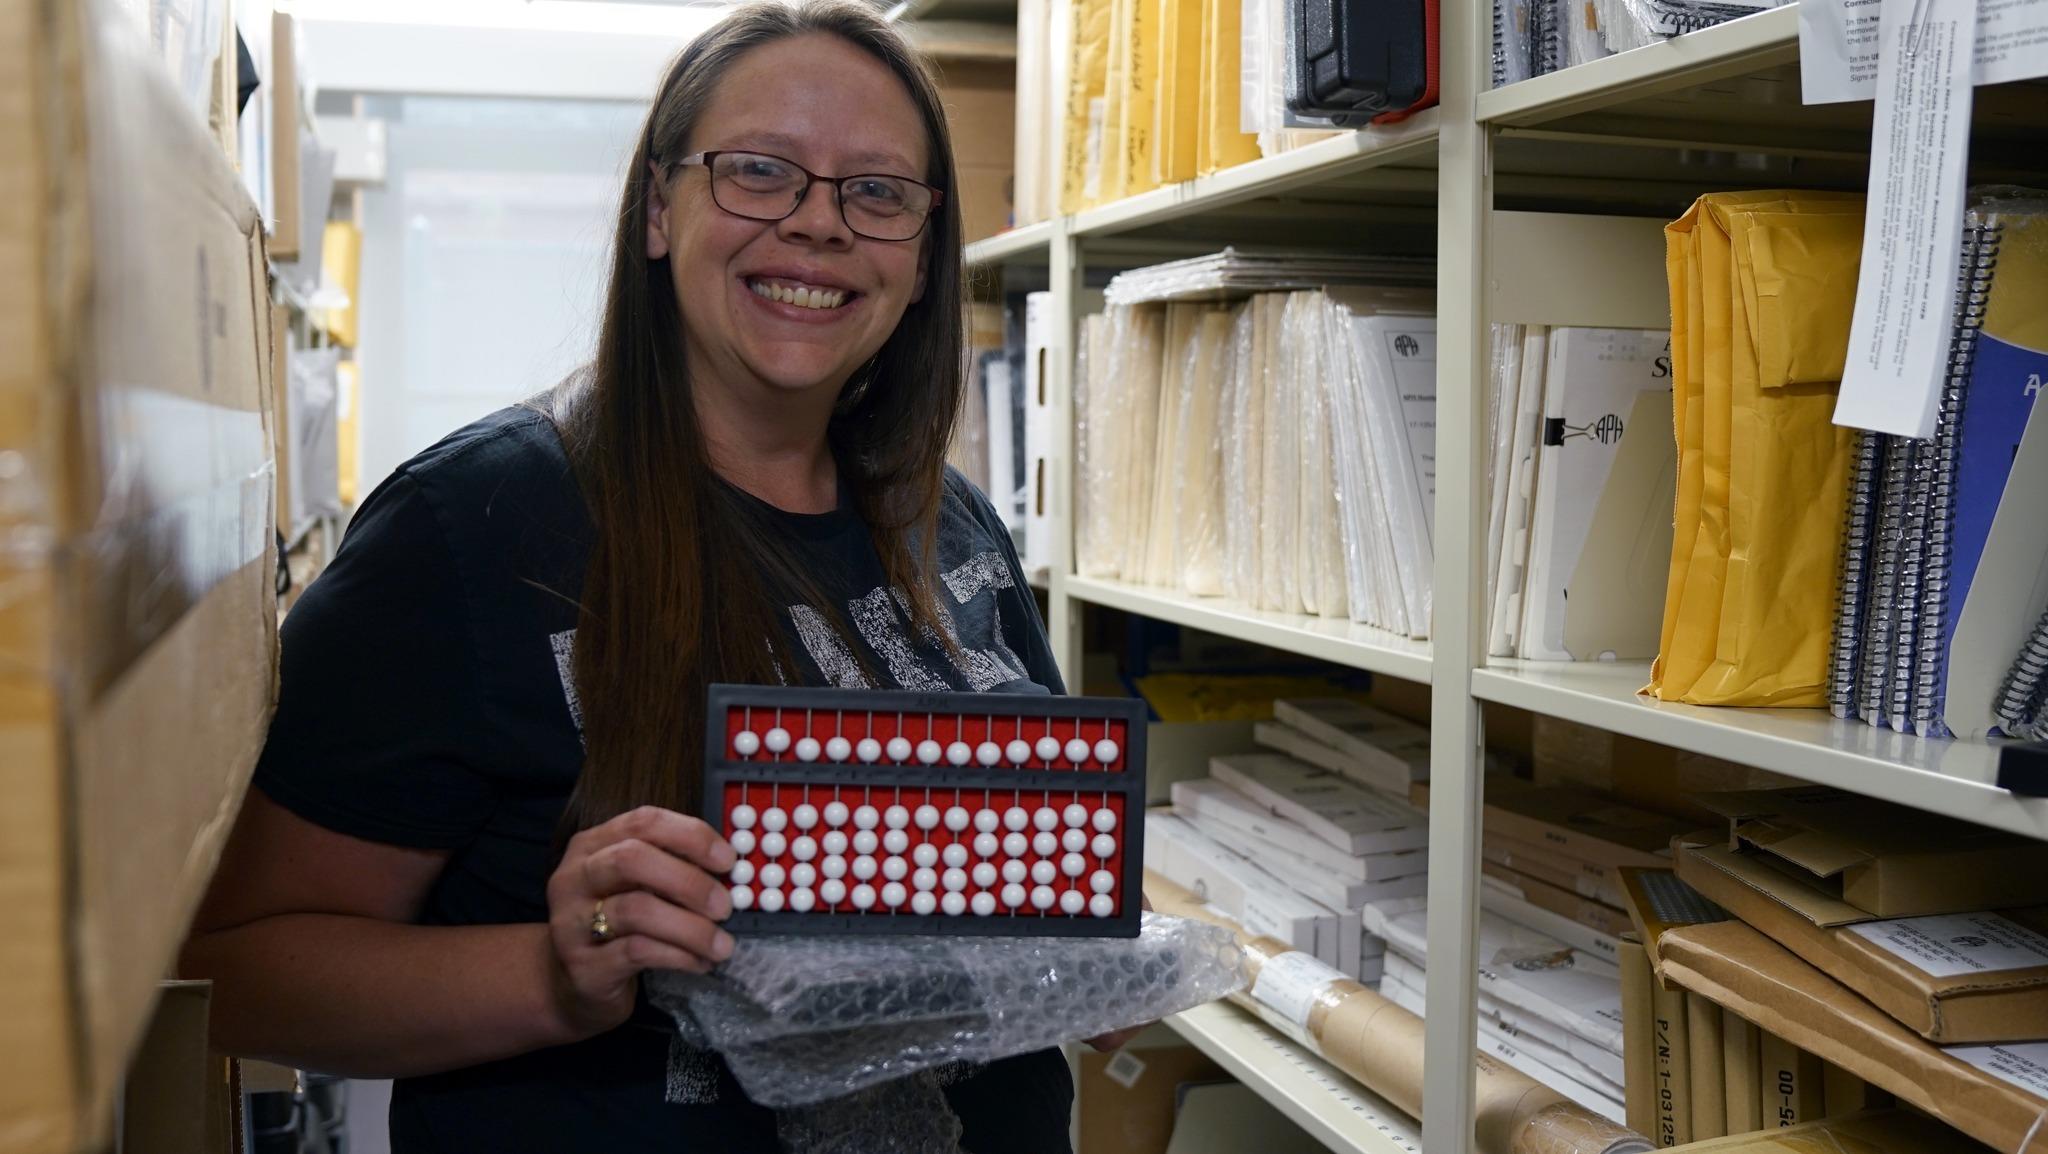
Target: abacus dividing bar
{"points": [[947, 813]]}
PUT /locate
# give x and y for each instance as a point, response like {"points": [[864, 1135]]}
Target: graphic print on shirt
{"points": [[881, 617]]}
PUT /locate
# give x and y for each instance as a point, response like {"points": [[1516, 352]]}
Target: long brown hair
{"points": [[683, 587]]}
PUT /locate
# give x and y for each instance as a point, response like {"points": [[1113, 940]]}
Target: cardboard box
{"points": [[1749, 974], [1579, 823], [1227, 1117], [283, 87], [1672, 1066], [1741, 1073], [1709, 1085], [1886, 859], [138, 633], [1348, 816], [1969, 1001], [1368, 746], [1638, 1038], [1640, 773], [1589, 880], [1212, 805], [1127, 1098], [1883, 1132], [1845, 1093], [980, 98], [180, 1096], [1793, 1088], [1600, 918]]}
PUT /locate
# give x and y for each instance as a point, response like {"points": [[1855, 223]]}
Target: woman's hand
{"points": [[653, 871]]}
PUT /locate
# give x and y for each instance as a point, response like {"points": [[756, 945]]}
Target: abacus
{"points": [[889, 812]]}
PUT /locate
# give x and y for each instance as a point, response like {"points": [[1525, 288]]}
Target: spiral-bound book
{"points": [[1852, 610]]}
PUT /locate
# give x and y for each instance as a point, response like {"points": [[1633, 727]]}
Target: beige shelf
{"points": [[1031, 244]]}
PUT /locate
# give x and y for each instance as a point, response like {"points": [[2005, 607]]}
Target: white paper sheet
{"points": [[1838, 46]]}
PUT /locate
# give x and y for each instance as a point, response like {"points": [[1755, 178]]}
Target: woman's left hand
{"points": [[1104, 1043]]}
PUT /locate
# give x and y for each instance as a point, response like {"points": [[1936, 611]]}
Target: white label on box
{"points": [[1125, 1069], [1290, 984], [1951, 945], [2024, 1064]]}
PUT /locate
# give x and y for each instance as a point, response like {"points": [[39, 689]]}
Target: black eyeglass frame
{"points": [[704, 160]]}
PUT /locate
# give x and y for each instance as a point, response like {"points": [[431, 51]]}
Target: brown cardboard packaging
{"points": [[1741, 1074], [980, 98], [1845, 1093], [1638, 1038], [1709, 1087], [2005, 1006], [1640, 773], [1127, 1098], [1673, 1057], [1579, 823], [1589, 880], [137, 618], [1881, 1132], [1886, 859], [1562, 902], [1750, 975], [180, 1097], [1793, 1090], [283, 89]]}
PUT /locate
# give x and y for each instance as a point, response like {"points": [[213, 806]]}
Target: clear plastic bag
{"points": [[1240, 517]]}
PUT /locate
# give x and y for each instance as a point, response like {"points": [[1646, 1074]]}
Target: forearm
{"points": [[366, 998]]}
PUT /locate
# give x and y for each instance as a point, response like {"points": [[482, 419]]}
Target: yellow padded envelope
{"points": [[1177, 115], [1788, 461], [1223, 142], [1086, 92]]}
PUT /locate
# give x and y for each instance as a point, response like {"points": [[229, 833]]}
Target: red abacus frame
{"points": [[854, 754]]}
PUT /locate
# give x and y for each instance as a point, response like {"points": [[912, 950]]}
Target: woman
{"points": [[468, 835]]}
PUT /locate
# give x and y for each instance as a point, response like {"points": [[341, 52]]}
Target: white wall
{"points": [[483, 258]]}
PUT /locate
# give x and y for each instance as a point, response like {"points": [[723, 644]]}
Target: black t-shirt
{"points": [[426, 700]]}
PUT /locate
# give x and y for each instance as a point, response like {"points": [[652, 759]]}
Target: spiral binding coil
{"points": [[1973, 292], [2023, 702], [1906, 601], [1545, 37], [1500, 42], [1857, 525], [1900, 455]]}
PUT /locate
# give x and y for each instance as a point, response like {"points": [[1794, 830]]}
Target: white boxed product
{"points": [[1343, 814], [1214, 805], [1234, 887]]}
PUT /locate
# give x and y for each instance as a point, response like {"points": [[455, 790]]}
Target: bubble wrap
{"points": [[801, 1021]]}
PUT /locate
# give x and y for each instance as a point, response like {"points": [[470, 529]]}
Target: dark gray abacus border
{"points": [[1129, 782]]}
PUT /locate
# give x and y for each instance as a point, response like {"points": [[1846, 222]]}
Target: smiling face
{"points": [[792, 307]]}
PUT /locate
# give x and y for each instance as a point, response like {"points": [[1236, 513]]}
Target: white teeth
{"points": [[802, 296]]}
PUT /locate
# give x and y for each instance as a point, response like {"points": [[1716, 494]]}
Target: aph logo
{"points": [[1606, 429], [1406, 345]]}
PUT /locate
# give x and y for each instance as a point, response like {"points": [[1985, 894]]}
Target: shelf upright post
{"points": [[1064, 625], [1458, 629]]}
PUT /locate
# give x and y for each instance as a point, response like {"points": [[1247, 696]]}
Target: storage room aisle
{"points": [[1535, 506]]}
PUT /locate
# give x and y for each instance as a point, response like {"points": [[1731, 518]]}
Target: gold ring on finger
{"points": [[600, 925]]}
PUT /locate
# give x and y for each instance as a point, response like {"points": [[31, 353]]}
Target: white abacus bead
{"points": [[773, 875], [771, 901], [1016, 844], [743, 842], [834, 866], [746, 743], [926, 854], [984, 875], [1106, 751], [896, 841], [924, 879], [987, 820], [801, 900], [1105, 820], [1014, 895], [743, 817], [867, 817], [1075, 815], [899, 749], [838, 749], [803, 874], [832, 891], [807, 749], [868, 750], [926, 817], [953, 904], [1015, 871], [742, 872], [1046, 819], [893, 894], [834, 841], [983, 904], [1016, 818], [1018, 751], [864, 868], [923, 903], [954, 855], [894, 868], [1073, 902], [773, 845], [1102, 881], [777, 740], [865, 841], [986, 844], [804, 816], [1104, 846], [1102, 906], [1077, 750], [1042, 897], [954, 879], [1045, 844], [1073, 865], [929, 752], [958, 819], [1044, 872], [774, 819], [896, 817], [959, 753], [804, 848], [863, 896], [1074, 840], [1048, 748], [742, 897], [988, 753], [836, 814]]}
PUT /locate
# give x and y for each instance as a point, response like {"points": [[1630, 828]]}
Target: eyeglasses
{"points": [[757, 186]]}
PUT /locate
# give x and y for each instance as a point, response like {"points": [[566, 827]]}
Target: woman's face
{"points": [[831, 108]]}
